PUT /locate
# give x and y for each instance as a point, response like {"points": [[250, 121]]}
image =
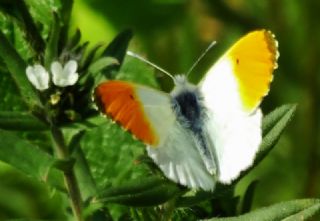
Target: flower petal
{"points": [[71, 66], [56, 70], [38, 76], [73, 78], [65, 76]]}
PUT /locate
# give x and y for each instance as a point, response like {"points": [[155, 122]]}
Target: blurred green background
{"points": [[172, 34]]}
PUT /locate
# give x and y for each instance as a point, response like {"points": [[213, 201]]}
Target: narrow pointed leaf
{"points": [[20, 121], [65, 17], [74, 40], [33, 35], [102, 64], [83, 173], [248, 197], [87, 59], [17, 67], [272, 126], [118, 47], [51, 52], [293, 210]]}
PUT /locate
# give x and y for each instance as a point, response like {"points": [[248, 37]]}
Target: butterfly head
{"points": [[182, 84]]}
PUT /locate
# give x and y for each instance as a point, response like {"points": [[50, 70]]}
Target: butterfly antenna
{"points": [[200, 58], [132, 54]]}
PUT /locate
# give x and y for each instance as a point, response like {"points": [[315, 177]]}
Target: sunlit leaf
{"points": [[273, 126], [287, 211], [42, 10], [102, 64]]}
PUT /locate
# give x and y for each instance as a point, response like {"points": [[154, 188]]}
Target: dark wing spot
{"points": [[238, 61]]}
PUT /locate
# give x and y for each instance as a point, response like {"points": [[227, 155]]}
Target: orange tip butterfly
{"points": [[201, 134]]}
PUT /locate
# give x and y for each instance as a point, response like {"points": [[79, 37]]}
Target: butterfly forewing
{"points": [[233, 89]]}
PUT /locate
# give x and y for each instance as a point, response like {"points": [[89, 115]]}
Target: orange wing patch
{"points": [[118, 100], [254, 57]]}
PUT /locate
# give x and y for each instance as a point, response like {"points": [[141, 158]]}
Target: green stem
{"points": [[69, 176], [168, 210]]}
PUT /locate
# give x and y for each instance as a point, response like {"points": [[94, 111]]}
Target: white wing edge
{"points": [[236, 141]]}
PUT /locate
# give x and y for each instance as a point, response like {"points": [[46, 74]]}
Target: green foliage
{"points": [[84, 162], [16, 66], [292, 210]]}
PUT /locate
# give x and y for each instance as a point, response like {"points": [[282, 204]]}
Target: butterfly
{"points": [[200, 134]]}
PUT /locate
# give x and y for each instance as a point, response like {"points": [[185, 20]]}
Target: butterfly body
{"points": [[200, 134]]}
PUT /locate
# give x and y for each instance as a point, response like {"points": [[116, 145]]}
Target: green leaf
{"points": [[248, 197], [33, 35], [10, 97], [192, 199], [20, 121], [51, 52], [19, 10], [293, 210], [65, 17], [102, 64], [41, 9], [64, 165], [84, 176], [87, 59], [134, 70], [24, 156], [74, 40], [111, 154], [17, 67], [118, 47], [141, 192], [272, 127]]}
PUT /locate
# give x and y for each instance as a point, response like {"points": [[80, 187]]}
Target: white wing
{"points": [[180, 161], [176, 154], [233, 89]]}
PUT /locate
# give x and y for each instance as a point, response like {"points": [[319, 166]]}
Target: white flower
{"points": [[38, 76], [64, 76]]}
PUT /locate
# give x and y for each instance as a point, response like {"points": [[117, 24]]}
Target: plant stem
{"points": [[69, 176], [168, 210]]}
